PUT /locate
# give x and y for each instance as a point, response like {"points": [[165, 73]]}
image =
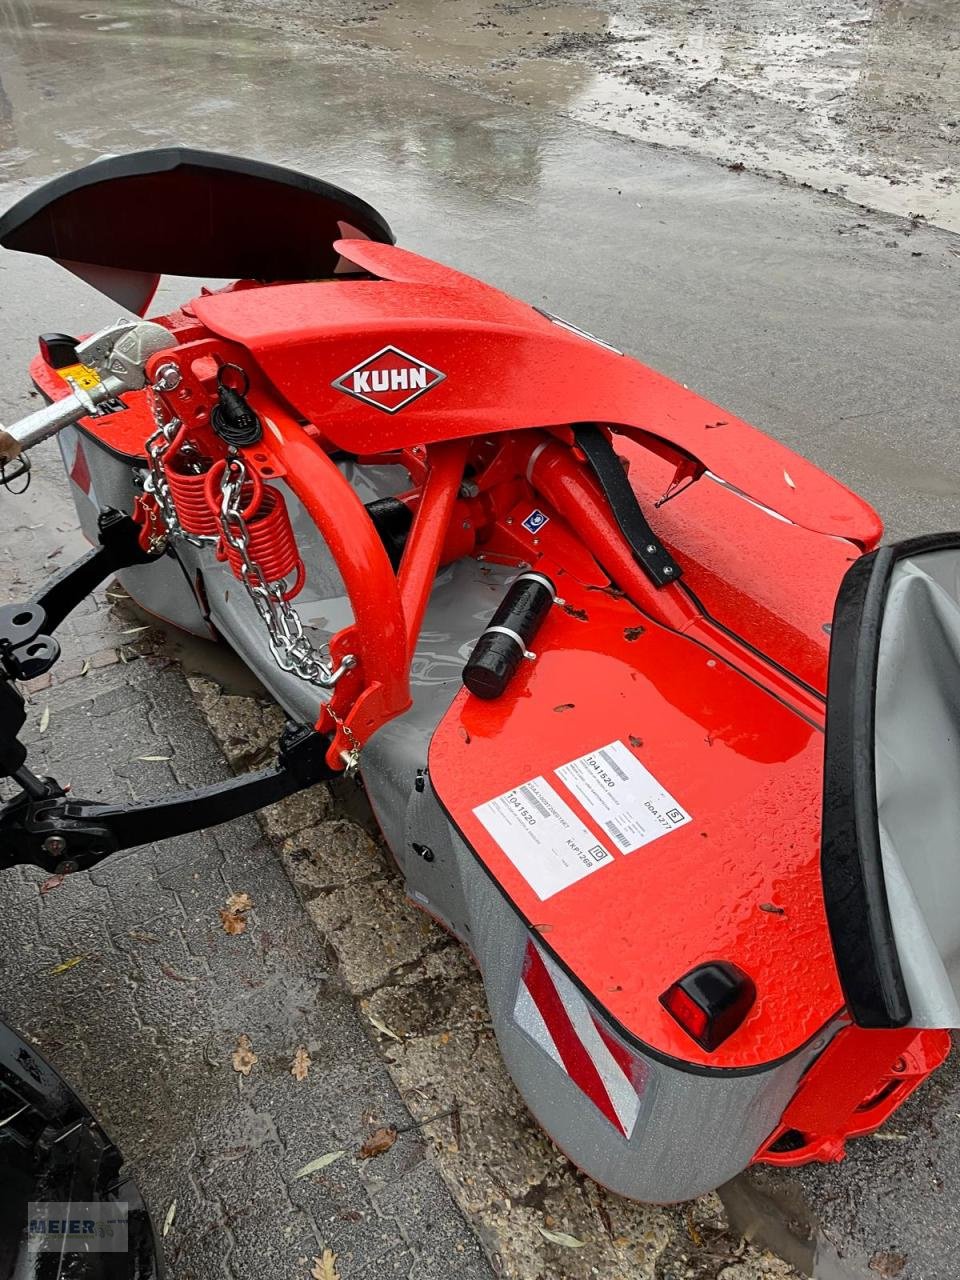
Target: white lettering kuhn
{"points": [[389, 379]]}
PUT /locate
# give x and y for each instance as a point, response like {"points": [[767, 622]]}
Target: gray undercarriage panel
{"points": [[688, 1132]]}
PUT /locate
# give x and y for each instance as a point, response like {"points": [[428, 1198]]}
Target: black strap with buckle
{"points": [[650, 553]]}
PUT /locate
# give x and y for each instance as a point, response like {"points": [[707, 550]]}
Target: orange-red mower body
{"points": [[627, 831]]}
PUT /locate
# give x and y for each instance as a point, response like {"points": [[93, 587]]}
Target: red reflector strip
{"points": [[555, 1014], [80, 472]]}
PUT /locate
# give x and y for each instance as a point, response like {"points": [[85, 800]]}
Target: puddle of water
{"points": [[214, 661], [201, 78], [774, 1213], [861, 97]]}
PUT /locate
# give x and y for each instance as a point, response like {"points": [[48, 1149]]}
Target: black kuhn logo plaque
{"points": [[389, 380]]}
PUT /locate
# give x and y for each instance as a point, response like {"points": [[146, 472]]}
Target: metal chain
{"points": [[157, 447], [291, 648], [350, 757]]}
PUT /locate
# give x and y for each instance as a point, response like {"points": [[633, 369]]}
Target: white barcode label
{"points": [[622, 797], [542, 837]]}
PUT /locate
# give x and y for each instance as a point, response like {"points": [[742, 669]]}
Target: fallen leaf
{"points": [[580, 614], [171, 1214], [233, 916], [67, 964], [561, 1238], [789, 479], [44, 719], [888, 1264], [692, 1230], [325, 1267], [301, 1064], [169, 972], [772, 909], [321, 1162], [86, 666], [380, 1140], [383, 1028], [51, 883], [244, 1059], [232, 922]]}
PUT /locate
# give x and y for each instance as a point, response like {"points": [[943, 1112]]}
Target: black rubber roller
{"points": [[503, 646]]}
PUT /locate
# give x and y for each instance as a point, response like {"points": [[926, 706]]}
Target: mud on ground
{"points": [[858, 97]]}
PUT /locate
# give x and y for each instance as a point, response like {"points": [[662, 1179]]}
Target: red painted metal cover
{"points": [[505, 367], [621, 735]]}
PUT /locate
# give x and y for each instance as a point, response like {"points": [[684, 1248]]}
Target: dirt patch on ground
{"points": [[858, 97]]}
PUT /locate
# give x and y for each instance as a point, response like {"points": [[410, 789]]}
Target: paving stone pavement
{"points": [[425, 999], [145, 1024]]}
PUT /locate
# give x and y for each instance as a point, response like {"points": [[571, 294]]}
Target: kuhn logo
{"points": [[389, 379]]}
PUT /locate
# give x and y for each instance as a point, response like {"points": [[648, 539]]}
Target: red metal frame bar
{"points": [[428, 533], [556, 473], [379, 638]]}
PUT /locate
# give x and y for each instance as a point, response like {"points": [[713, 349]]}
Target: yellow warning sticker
{"points": [[85, 377]]}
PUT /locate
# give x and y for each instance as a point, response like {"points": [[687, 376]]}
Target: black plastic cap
{"points": [[59, 350]]}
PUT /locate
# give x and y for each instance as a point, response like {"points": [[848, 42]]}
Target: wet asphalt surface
{"points": [[830, 326], [860, 97]]}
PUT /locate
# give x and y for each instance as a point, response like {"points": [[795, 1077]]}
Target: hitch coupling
{"points": [[118, 354]]}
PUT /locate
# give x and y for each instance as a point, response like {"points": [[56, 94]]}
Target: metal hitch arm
{"points": [[118, 354], [60, 834], [27, 649], [41, 824]]}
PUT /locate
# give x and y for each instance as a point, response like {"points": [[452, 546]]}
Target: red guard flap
{"points": [[641, 737]]}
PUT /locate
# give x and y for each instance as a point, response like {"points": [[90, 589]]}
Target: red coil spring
{"points": [[272, 543], [187, 473]]}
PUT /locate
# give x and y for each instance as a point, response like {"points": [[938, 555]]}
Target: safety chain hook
{"points": [[290, 646], [157, 446]]}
